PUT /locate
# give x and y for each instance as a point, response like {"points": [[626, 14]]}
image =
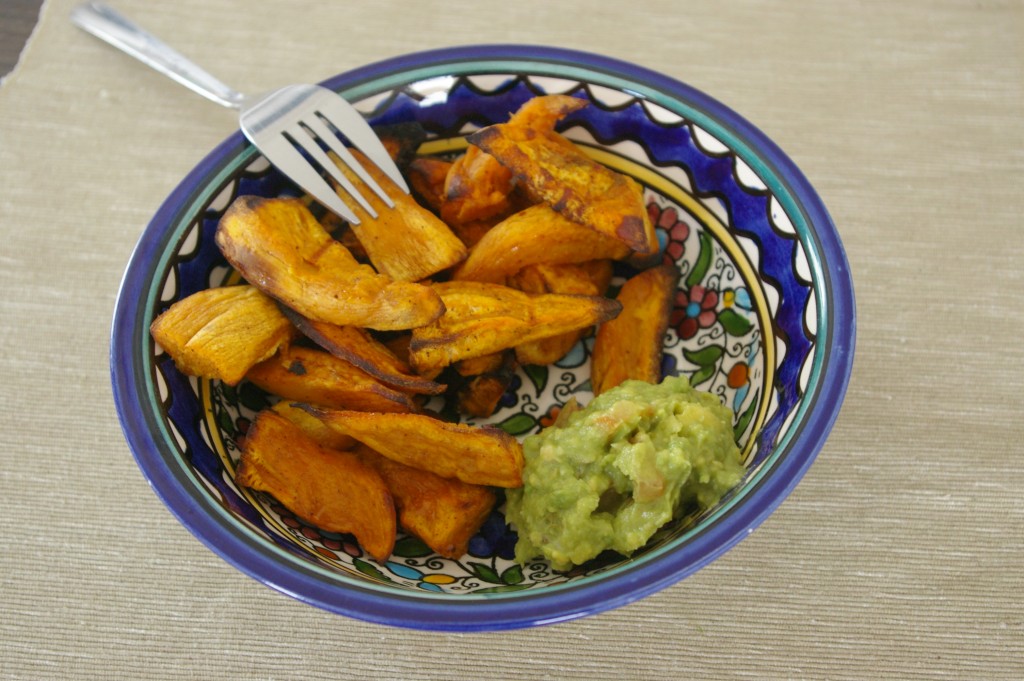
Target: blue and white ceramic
{"points": [[764, 318]]}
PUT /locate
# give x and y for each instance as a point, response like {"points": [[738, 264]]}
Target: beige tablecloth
{"points": [[899, 556]]}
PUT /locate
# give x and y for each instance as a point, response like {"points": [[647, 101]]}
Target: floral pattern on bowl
{"points": [[745, 326]]}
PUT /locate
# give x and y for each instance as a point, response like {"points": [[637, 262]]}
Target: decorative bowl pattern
{"points": [[764, 319]]}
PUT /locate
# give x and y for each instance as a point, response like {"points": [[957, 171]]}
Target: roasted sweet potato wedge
{"points": [[426, 176], [407, 242], [221, 333], [357, 346], [334, 490], [444, 513], [571, 279], [480, 393], [303, 374], [534, 236], [477, 187], [474, 366], [560, 174], [600, 272], [630, 346], [313, 427], [483, 318], [543, 113], [477, 455], [278, 246], [401, 140]]}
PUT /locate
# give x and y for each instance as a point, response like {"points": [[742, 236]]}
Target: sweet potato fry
{"points": [[303, 374], [444, 513], [313, 427], [477, 187], [474, 366], [564, 278], [533, 236], [560, 174], [334, 490], [600, 273], [571, 279], [407, 242], [477, 455], [358, 347], [401, 140], [278, 246], [221, 332], [484, 381], [484, 318], [630, 346], [426, 176], [543, 113]]}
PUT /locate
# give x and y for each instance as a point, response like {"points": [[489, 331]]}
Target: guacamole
{"points": [[609, 475]]}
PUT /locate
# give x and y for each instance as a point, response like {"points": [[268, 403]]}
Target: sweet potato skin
{"points": [[334, 490], [630, 346]]}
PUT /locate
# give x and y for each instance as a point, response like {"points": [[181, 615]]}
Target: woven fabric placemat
{"points": [[898, 556]]}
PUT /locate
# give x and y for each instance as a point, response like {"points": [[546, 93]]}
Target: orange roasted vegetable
{"points": [[543, 113], [401, 140], [480, 393], [334, 490], [572, 279], [534, 236], [357, 346], [406, 242], [279, 247], [303, 374], [444, 513], [221, 332], [630, 346], [426, 176], [477, 455], [313, 427], [482, 319], [483, 364], [560, 174], [477, 187], [600, 273]]}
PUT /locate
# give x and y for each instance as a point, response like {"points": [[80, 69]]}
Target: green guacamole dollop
{"points": [[608, 476]]}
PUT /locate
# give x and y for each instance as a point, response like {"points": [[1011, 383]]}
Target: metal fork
{"points": [[279, 124]]}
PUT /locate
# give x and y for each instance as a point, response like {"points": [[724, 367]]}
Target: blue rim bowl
{"points": [[764, 318]]}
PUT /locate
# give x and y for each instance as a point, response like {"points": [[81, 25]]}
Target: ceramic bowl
{"points": [[764, 319]]}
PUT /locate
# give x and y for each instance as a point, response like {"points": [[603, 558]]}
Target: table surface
{"points": [[899, 554]]}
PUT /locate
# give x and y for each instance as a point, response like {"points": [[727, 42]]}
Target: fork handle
{"points": [[109, 26]]}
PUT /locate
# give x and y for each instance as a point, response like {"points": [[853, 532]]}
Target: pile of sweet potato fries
{"points": [[501, 257]]}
